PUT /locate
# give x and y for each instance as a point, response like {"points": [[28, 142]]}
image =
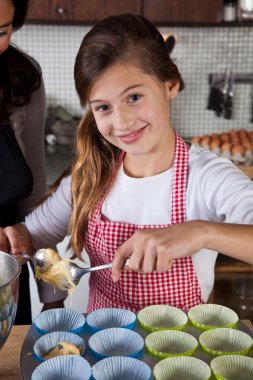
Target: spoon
{"points": [[77, 272], [25, 256], [71, 273]]}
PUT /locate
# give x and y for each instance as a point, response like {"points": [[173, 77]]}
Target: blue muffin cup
{"points": [[69, 367], [116, 342], [49, 341], [60, 320], [111, 317], [121, 367]]}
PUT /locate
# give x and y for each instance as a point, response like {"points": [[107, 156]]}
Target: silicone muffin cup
{"points": [[210, 316], [110, 317], [60, 320], [121, 367], [171, 343], [181, 368], [116, 342], [69, 367], [225, 341], [162, 317], [232, 367], [49, 341]]}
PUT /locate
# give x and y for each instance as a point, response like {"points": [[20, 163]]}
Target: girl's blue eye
{"points": [[134, 97], [102, 108]]}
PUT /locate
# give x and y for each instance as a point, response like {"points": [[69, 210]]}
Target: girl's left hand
{"points": [[154, 249]]}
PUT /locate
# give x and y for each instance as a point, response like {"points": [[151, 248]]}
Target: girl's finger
{"points": [[122, 253]]}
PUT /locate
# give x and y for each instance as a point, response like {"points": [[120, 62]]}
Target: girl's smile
{"points": [[134, 116], [131, 137]]}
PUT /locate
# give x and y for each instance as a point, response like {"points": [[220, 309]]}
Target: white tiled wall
{"points": [[199, 51]]}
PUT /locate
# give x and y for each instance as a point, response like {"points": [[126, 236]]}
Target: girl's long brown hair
{"points": [[126, 38]]}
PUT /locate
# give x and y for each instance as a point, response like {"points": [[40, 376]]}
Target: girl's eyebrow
{"points": [[122, 93], [7, 24]]}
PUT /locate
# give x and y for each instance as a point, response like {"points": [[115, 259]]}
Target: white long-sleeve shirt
{"points": [[216, 190]]}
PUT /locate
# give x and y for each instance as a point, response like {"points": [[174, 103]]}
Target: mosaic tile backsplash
{"points": [[199, 51]]}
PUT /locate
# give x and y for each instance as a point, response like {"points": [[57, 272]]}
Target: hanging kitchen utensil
{"points": [[224, 93], [215, 96], [228, 109]]}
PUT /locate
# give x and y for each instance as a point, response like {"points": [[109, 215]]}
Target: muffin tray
{"points": [[28, 362]]}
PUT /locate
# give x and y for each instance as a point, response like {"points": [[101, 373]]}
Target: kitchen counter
{"points": [[10, 354]]}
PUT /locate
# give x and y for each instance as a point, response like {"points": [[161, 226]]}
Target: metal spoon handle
{"points": [[25, 256], [105, 266]]}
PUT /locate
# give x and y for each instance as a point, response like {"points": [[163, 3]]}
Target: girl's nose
{"points": [[123, 119]]}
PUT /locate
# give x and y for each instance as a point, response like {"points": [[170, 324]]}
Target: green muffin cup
{"points": [[225, 341], [210, 316], [232, 367], [170, 343], [181, 368], [162, 317]]}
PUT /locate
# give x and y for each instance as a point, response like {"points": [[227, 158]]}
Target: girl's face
{"points": [[131, 109], [6, 17]]}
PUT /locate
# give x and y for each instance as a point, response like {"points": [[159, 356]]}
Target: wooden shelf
{"points": [[248, 170], [236, 266]]}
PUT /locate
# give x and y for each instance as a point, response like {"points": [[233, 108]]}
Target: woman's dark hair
{"points": [[20, 74], [21, 8], [123, 38]]}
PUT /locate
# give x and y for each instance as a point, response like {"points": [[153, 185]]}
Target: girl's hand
{"points": [[154, 249], [11, 241]]}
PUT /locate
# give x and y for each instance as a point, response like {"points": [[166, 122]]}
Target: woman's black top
{"points": [[16, 183]]}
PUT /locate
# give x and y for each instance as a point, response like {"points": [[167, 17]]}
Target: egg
{"points": [[225, 147], [204, 142], [238, 149], [248, 146], [225, 137], [235, 141], [195, 140], [250, 134], [215, 136]]}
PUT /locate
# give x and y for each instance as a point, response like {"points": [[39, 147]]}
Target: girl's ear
{"points": [[172, 89]]}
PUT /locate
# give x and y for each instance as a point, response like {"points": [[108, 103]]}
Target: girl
{"points": [[137, 189]]}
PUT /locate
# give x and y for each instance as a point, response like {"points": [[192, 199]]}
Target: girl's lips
{"points": [[132, 137]]}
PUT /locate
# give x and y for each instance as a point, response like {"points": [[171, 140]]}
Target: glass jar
{"points": [[229, 10]]}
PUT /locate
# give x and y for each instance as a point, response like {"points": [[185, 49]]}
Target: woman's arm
{"points": [[28, 123], [46, 226]]}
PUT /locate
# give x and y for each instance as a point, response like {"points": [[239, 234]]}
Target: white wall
{"points": [[79, 297], [198, 52]]}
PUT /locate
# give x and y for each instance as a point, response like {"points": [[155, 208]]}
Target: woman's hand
{"points": [[14, 240], [154, 249]]}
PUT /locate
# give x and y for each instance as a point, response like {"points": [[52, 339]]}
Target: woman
{"points": [[137, 189], [22, 120]]}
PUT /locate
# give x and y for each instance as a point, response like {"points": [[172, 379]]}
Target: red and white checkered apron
{"points": [[177, 287]]}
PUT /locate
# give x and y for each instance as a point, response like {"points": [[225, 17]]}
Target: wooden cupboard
{"points": [[79, 11], [159, 11], [183, 11]]}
